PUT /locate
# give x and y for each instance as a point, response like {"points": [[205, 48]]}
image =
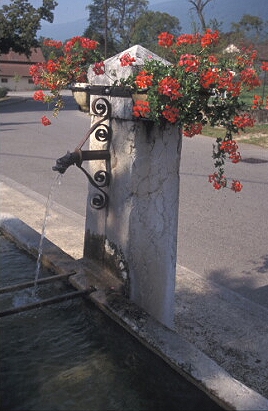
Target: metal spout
{"points": [[68, 160], [77, 157]]}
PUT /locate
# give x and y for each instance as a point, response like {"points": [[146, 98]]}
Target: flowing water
{"points": [[69, 356], [56, 182]]}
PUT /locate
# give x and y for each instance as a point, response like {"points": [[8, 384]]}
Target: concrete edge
{"points": [[181, 355]]}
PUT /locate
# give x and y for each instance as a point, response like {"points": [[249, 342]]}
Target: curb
{"points": [[12, 100]]}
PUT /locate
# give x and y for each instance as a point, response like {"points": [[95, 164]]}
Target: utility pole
{"points": [[106, 28]]}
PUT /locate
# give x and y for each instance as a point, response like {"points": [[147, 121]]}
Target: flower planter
{"points": [[140, 97], [82, 96]]}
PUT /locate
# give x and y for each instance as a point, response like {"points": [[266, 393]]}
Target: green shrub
{"points": [[3, 91]]}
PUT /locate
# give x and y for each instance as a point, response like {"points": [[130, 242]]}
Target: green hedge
{"points": [[3, 91]]}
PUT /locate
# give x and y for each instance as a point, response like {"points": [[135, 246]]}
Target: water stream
{"points": [[56, 182]]}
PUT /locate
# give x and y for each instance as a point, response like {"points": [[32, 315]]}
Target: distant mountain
{"points": [[63, 31], [225, 11]]}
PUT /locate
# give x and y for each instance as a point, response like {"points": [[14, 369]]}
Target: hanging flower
{"points": [[45, 121], [59, 72], [39, 95], [236, 186], [191, 130]]}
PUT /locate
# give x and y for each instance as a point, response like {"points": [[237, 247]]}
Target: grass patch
{"points": [[247, 97], [257, 135]]}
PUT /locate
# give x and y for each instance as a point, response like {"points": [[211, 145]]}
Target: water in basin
{"points": [[70, 356]]}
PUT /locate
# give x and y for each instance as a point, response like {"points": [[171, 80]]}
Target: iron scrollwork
{"points": [[102, 133], [101, 107]]}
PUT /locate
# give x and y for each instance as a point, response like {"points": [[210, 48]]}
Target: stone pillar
{"points": [[136, 235]]}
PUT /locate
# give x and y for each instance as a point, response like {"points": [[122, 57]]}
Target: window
{"points": [[4, 80], [30, 81]]}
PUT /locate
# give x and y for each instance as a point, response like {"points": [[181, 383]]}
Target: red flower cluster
{"points": [[84, 42], [236, 186], [191, 130], [243, 121], [257, 102], [190, 61], [39, 96], [213, 59], [264, 66], [250, 78], [99, 68], [230, 147], [127, 60], [45, 121], [188, 39], [217, 180], [58, 72], [53, 43], [209, 38], [144, 80], [171, 114], [52, 66], [141, 108], [170, 87], [165, 39], [209, 78]]}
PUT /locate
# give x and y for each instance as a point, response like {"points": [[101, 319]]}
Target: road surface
{"points": [[223, 236]]}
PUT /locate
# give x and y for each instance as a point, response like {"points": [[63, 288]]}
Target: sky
{"points": [[68, 10]]}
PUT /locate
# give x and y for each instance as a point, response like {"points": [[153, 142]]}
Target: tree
{"points": [[250, 25], [112, 22], [146, 34], [19, 23], [199, 6], [119, 24]]}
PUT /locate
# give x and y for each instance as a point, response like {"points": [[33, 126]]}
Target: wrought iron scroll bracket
{"points": [[101, 131]]}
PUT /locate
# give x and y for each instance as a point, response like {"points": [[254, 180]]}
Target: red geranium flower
{"points": [[127, 60], [99, 68], [165, 39], [170, 87], [171, 114], [45, 121], [236, 186], [191, 130], [144, 79], [39, 95], [141, 108]]}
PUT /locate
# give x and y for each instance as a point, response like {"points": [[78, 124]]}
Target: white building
{"points": [[14, 70]]}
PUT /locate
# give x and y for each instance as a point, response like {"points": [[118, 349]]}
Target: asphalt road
{"points": [[223, 236]]}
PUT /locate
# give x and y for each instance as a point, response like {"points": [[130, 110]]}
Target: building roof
{"points": [[18, 64], [12, 57]]}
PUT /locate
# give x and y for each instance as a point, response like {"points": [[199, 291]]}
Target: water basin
{"points": [[70, 356]]}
